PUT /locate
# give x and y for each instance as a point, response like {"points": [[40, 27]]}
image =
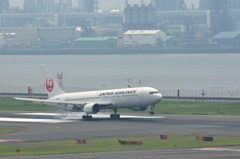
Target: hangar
{"points": [[144, 38]]}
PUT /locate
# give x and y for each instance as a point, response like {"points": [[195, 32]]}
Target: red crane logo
{"points": [[49, 84]]}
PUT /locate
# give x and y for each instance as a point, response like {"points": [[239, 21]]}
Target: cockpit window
{"points": [[153, 92]]}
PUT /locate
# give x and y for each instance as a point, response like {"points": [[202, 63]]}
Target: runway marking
{"points": [[99, 115], [10, 140], [28, 120], [143, 117], [44, 114], [217, 149]]}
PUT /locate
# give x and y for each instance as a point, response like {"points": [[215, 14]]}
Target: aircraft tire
{"points": [[87, 117], [115, 116], [151, 112]]}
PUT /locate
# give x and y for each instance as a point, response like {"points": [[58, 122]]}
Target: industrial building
{"points": [[206, 4], [139, 17], [29, 6], [95, 42], [64, 6], [186, 18], [173, 42], [227, 39], [48, 21], [2, 41], [58, 6], [220, 16], [4, 5], [144, 38], [167, 5], [235, 4], [87, 5], [39, 6], [41, 37]]}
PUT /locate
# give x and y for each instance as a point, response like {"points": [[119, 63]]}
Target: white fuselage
{"points": [[91, 102], [119, 98]]}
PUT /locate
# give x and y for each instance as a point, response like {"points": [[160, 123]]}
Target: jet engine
{"points": [[91, 108], [138, 108]]}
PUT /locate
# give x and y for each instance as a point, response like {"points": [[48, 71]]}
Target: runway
{"points": [[187, 153], [36, 126]]}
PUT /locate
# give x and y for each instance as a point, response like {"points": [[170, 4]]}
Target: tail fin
{"points": [[50, 85]]}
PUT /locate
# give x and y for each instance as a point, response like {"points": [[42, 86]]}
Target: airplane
{"points": [[91, 102]]}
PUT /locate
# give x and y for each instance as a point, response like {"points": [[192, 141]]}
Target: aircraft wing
{"points": [[60, 102]]}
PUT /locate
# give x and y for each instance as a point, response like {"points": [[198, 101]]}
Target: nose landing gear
{"points": [[152, 110]]}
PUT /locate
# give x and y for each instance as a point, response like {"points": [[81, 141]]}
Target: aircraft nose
{"points": [[159, 97]]}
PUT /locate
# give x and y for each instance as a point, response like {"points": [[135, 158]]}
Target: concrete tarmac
{"points": [[73, 127], [144, 154]]}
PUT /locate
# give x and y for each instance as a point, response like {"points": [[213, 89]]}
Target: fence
{"points": [[10, 90], [7, 90], [198, 93]]}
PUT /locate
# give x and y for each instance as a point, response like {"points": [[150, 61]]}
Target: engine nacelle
{"points": [[138, 108], [91, 108]]}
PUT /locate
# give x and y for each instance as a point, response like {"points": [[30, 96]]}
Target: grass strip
{"points": [[12, 104], [163, 107], [6, 130], [34, 150], [194, 108], [111, 144], [197, 107]]}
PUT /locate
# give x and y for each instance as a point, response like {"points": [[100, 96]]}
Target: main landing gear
{"points": [[152, 110], [87, 117], [115, 115]]}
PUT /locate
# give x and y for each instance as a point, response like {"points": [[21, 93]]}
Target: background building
{"points": [[62, 21], [144, 38], [45, 6], [235, 4], [96, 42], [64, 6], [87, 5], [139, 17], [227, 39], [206, 4], [220, 16], [164, 5], [29, 6], [4, 5]]}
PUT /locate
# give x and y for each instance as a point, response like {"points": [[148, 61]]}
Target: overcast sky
{"points": [[109, 4]]}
